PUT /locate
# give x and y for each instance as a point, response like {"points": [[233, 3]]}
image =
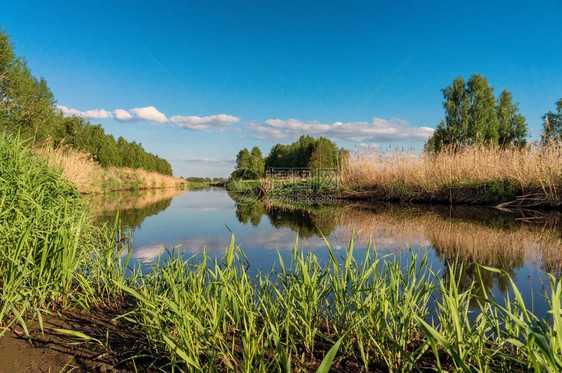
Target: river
{"points": [[523, 243]]}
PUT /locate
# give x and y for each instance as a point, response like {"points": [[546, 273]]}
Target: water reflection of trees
{"points": [[133, 207], [307, 223], [486, 236], [133, 218], [250, 212], [463, 237], [469, 274]]}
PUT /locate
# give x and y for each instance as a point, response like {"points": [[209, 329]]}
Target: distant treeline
{"points": [[28, 107], [307, 152], [195, 179], [82, 135]]}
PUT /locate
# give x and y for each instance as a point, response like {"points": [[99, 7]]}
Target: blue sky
{"points": [[362, 72]]}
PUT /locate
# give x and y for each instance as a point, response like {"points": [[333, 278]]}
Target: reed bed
{"points": [[75, 165], [90, 178], [124, 178], [477, 174]]}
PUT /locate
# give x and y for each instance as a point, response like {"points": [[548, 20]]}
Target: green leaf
{"points": [[181, 353], [77, 334], [329, 358]]}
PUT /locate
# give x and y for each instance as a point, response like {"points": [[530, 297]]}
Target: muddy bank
{"points": [[114, 345]]}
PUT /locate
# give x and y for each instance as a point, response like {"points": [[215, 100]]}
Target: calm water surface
{"points": [[525, 244]]}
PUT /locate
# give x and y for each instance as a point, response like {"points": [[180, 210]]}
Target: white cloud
{"points": [[202, 159], [379, 130], [149, 113], [69, 112], [367, 145], [153, 115], [203, 123], [89, 114], [123, 115], [98, 114]]}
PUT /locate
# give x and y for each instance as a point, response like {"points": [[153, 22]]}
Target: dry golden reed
{"points": [[124, 178], [90, 178], [534, 169], [77, 166]]}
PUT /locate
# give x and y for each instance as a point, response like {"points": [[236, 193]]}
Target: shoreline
{"points": [[460, 197], [501, 195]]}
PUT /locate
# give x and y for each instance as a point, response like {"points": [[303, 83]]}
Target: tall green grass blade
{"points": [[329, 358]]}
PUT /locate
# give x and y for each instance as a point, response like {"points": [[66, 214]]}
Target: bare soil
{"points": [[120, 348]]}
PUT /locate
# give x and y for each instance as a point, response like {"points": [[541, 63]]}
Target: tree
{"points": [[27, 105], [512, 127], [249, 165], [324, 155], [243, 161], [257, 163], [456, 104], [279, 156], [482, 119], [472, 116], [552, 125], [306, 152]]}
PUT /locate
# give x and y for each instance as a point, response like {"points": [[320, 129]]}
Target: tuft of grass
{"points": [[46, 234]]}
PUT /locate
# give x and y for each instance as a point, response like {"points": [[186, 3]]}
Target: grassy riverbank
{"points": [[208, 314], [91, 178], [298, 193], [56, 267], [530, 176]]}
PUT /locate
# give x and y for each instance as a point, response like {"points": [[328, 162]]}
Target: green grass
{"points": [[111, 185], [301, 193], [50, 249], [210, 315], [45, 233], [244, 185], [277, 186]]}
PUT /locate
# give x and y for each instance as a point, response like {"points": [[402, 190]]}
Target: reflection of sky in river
{"points": [[199, 218], [196, 219]]}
